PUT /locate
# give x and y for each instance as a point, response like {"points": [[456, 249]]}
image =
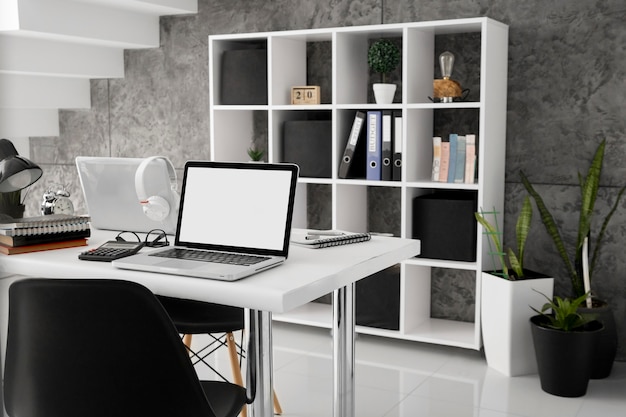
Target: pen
{"points": [[318, 233]]}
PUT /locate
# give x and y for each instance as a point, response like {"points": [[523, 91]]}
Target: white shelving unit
{"points": [[233, 126]]}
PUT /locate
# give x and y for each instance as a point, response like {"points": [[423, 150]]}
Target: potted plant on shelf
{"points": [[565, 343], [383, 57], [255, 154], [505, 296], [580, 270]]}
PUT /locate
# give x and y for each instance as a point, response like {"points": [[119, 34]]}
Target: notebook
{"points": [[317, 239], [229, 208], [109, 188]]}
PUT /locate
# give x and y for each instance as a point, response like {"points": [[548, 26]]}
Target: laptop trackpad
{"points": [[175, 264]]}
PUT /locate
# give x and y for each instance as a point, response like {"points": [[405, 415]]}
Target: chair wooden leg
{"points": [[236, 370], [187, 341], [277, 408]]}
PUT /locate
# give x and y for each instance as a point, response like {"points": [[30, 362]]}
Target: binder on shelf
{"points": [[452, 163], [470, 158], [436, 158], [387, 152], [374, 142], [397, 147], [460, 161], [351, 146], [445, 160]]}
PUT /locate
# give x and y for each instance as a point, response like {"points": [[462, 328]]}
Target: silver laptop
{"points": [[227, 210], [109, 188]]}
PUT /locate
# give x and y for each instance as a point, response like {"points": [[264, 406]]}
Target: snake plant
{"points": [[589, 191], [515, 260]]}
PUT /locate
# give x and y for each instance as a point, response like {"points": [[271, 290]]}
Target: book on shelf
{"points": [[454, 138], [470, 158], [59, 244], [445, 160], [436, 158], [53, 223], [397, 146], [387, 151], [349, 154], [317, 239], [374, 142], [459, 171], [43, 238]]}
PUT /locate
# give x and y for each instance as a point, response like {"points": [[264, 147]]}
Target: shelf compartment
{"points": [[319, 138], [246, 61], [313, 208], [368, 208], [353, 78], [242, 128], [300, 60]]}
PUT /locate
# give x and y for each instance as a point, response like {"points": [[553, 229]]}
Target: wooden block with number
{"points": [[309, 94]]}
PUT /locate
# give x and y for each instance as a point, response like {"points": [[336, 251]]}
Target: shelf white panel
{"points": [[349, 197]]}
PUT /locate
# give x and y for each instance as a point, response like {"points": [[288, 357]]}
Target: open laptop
{"points": [[227, 208], [109, 188]]}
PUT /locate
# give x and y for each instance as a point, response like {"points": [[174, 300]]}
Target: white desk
{"points": [[308, 274]]}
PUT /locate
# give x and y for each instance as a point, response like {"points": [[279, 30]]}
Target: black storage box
{"points": [[244, 76], [378, 299], [307, 143], [444, 222]]}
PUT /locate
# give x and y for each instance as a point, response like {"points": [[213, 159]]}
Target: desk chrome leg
{"points": [[343, 351], [260, 364]]}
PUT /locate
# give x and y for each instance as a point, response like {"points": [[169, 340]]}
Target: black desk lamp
{"points": [[16, 173]]}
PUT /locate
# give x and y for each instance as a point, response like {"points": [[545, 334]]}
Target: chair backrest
{"points": [[95, 348]]}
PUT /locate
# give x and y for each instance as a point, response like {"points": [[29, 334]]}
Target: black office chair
{"points": [[80, 348], [219, 322]]}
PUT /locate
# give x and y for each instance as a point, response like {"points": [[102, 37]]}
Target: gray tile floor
{"points": [[401, 379]]}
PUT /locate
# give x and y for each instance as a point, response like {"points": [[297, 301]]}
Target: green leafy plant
{"points": [[255, 154], [383, 57], [577, 269], [565, 315], [522, 227]]}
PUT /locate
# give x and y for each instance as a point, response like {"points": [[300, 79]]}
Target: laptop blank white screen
{"points": [[235, 207]]}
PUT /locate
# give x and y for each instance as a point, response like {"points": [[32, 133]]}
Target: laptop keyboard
{"points": [[211, 256]]}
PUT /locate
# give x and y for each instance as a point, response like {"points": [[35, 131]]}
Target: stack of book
{"points": [[32, 234], [454, 159]]}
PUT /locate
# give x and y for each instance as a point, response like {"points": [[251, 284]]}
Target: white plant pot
{"points": [[383, 93], [505, 315]]}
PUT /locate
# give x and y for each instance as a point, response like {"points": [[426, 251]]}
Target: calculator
{"points": [[111, 250]]}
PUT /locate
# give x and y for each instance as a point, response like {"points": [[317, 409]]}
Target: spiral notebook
{"points": [[317, 239]]}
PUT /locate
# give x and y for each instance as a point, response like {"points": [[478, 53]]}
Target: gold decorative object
{"points": [[446, 90]]}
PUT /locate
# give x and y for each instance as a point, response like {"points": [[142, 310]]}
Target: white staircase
{"points": [[49, 49]]}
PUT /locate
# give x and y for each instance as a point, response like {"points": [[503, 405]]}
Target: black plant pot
{"points": [[564, 359], [607, 343], [15, 211]]}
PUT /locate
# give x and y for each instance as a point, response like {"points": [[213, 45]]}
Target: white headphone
{"points": [[156, 207]]}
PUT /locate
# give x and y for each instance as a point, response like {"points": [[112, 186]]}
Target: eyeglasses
{"points": [[155, 238]]}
